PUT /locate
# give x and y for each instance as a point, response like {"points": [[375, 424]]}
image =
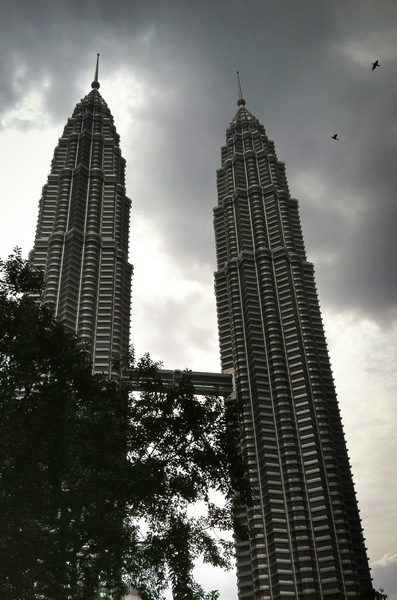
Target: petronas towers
{"points": [[305, 539], [82, 232]]}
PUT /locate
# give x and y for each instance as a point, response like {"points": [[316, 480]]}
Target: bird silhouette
{"points": [[335, 137], [374, 65]]}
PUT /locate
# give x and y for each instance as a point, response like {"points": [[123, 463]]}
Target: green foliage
{"points": [[96, 483], [372, 594]]}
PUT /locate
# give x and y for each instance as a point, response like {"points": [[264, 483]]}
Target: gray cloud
{"points": [[306, 74]]}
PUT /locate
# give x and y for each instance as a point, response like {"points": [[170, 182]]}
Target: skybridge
{"points": [[205, 384]]}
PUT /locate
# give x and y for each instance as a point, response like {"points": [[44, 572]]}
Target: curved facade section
{"points": [[305, 537], [82, 233]]}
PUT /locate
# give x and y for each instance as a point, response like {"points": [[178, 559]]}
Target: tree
{"points": [[372, 594], [96, 482]]}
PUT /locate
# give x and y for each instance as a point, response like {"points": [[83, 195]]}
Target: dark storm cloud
{"points": [[306, 75], [358, 212], [293, 76], [170, 64]]}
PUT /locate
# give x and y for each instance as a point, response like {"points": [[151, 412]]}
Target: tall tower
{"points": [[82, 232], [305, 539]]}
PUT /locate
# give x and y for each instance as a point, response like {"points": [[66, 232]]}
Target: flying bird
{"points": [[335, 137], [374, 65]]}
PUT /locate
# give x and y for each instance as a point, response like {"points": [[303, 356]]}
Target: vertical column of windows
{"points": [[107, 223], [65, 187], [273, 166], [97, 150], [98, 121], [68, 129], [238, 144], [52, 266], [281, 177], [229, 178], [220, 237], [108, 212], [293, 474], [125, 226], [81, 161], [284, 430], [69, 285], [108, 156], [296, 228], [240, 180], [264, 171], [224, 325], [319, 483], [265, 445], [270, 148], [118, 164], [103, 342], [95, 188], [230, 229], [272, 221], [229, 148], [257, 140], [88, 301], [243, 225], [252, 169], [84, 148], [237, 325], [224, 154], [118, 303], [118, 217], [283, 204], [221, 184], [333, 443], [47, 209], [78, 199], [248, 142], [122, 304], [258, 222], [56, 239], [125, 307], [73, 144], [59, 159], [48, 206], [87, 310]]}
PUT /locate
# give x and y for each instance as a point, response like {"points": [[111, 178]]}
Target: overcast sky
{"points": [[167, 72]]}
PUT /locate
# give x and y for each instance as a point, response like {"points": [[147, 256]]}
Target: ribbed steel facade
{"points": [[305, 537], [82, 233]]}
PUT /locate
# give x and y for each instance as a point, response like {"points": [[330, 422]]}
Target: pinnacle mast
{"points": [[240, 101], [95, 84]]}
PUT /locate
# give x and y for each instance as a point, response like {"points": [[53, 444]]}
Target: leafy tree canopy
{"points": [[372, 594], [96, 482]]}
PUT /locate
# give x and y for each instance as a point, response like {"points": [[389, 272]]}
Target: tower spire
{"points": [[240, 101], [95, 84]]}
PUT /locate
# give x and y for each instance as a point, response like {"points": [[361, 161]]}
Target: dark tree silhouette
{"points": [[96, 482], [373, 595]]}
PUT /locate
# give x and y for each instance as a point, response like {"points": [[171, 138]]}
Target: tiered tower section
{"points": [[82, 233], [305, 538]]}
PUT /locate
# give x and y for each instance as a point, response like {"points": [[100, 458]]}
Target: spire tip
{"points": [[240, 101], [95, 84]]}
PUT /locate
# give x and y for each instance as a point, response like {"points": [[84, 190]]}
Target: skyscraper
{"points": [[82, 232], [305, 538]]}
